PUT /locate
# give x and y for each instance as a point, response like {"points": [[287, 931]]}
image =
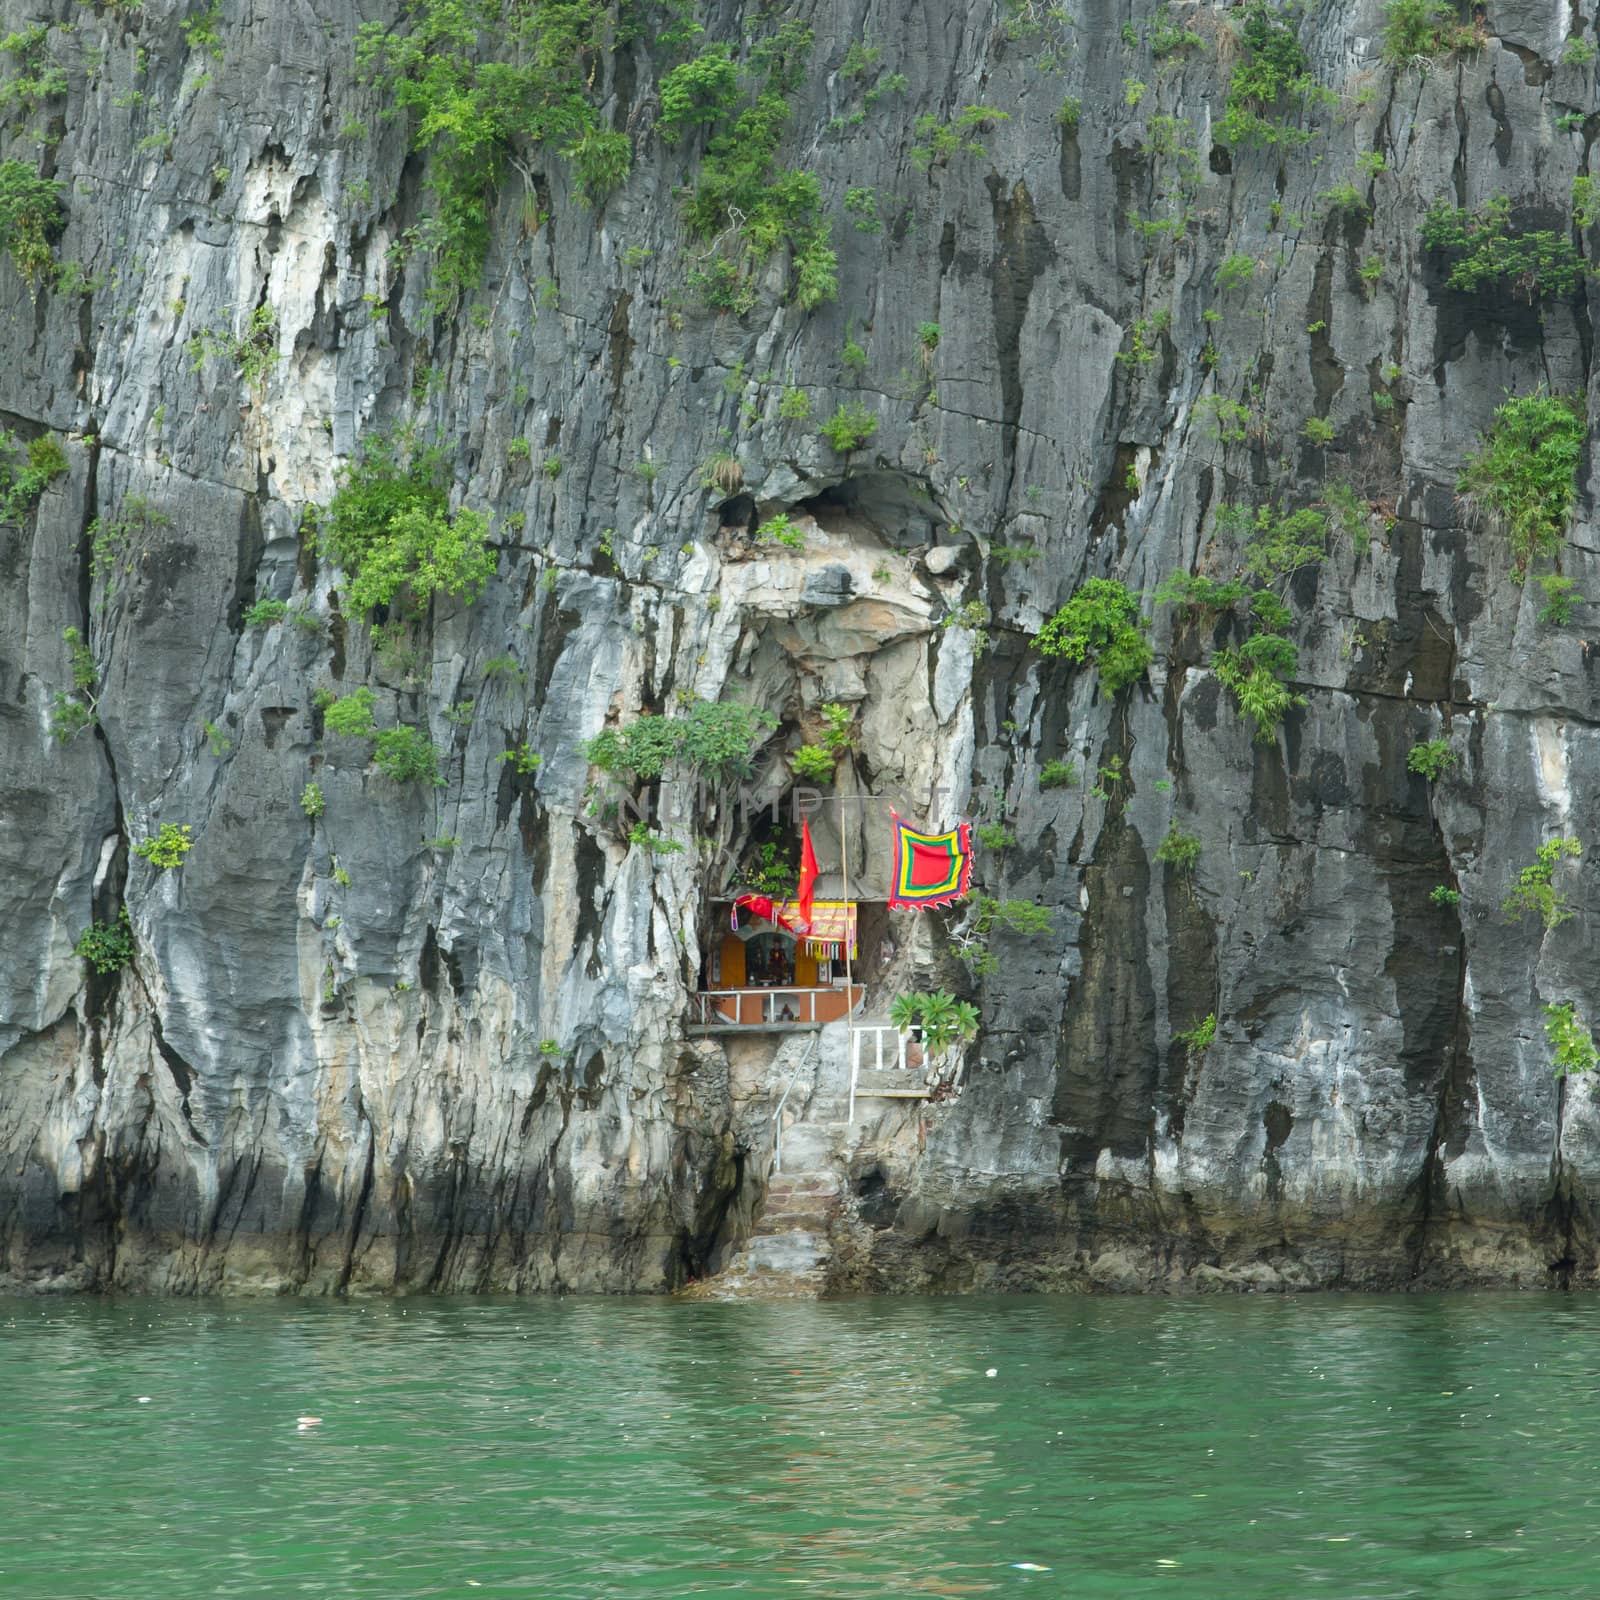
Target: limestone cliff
{"points": [[435, 1036]]}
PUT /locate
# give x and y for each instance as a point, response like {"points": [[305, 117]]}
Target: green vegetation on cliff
{"points": [[390, 528], [715, 739], [1523, 479], [1100, 623], [1485, 250], [30, 218], [742, 205], [482, 77]]}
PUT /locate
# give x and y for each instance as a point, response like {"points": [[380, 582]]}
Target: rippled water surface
{"points": [[1205, 1448]]}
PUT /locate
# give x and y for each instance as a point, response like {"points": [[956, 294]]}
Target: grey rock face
{"points": [[435, 1037]]}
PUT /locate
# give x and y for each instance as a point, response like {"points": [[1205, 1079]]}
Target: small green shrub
{"points": [[1431, 759], [1271, 79], [994, 836], [813, 763], [1570, 1041], [972, 617], [1318, 430], [26, 471], [69, 717], [254, 350], [1560, 596], [838, 727], [1523, 479], [106, 946], [1414, 30], [1169, 37], [773, 871], [388, 526], [523, 758], [715, 738], [1198, 1039], [351, 716], [504, 666], [1179, 850], [167, 849], [1025, 919], [30, 219], [1346, 203], [1486, 250], [794, 405], [265, 612], [404, 755], [642, 833], [1100, 623], [937, 141], [201, 32], [1443, 895], [1578, 52], [38, 77], [1235, 273], [1070, 113], [942, 1020], [84, 672], [1585, 201], [1535, 888], [1277, 542], [781, 530], [698, 92], [1200, 597], [849, 427], [1057, 775], [862, 204], [1257, 675], [312, 801]]}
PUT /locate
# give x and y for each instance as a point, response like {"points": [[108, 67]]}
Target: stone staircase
{"points": [[786, 1256], [789, 1249]]}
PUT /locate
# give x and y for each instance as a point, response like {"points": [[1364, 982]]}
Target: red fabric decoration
{"points": [[808, 877]]}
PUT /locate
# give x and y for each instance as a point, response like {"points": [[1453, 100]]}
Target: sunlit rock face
{"points": [[437, 1037]]}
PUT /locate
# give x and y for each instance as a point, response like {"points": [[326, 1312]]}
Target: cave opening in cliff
{"points": [[898, 509]]}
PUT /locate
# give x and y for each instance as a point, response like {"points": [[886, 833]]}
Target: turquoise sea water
{"points": [[1238, 1448]]}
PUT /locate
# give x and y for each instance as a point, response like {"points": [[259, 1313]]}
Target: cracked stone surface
{"points": [[352, 1055]]}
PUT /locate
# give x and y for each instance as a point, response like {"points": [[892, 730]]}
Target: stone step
{"points": [[767, 1227], [788, 1183], [798, 1250], [786, 1266], [891, 1086], [810, 1146]]}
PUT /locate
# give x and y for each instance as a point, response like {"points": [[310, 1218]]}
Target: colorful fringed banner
{"points": [[833, 924], [930, 869]]}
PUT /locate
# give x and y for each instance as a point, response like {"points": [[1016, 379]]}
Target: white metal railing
{"points": [[799, 1004], [777, 1116], [885, 1048], [873, 1039]]}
